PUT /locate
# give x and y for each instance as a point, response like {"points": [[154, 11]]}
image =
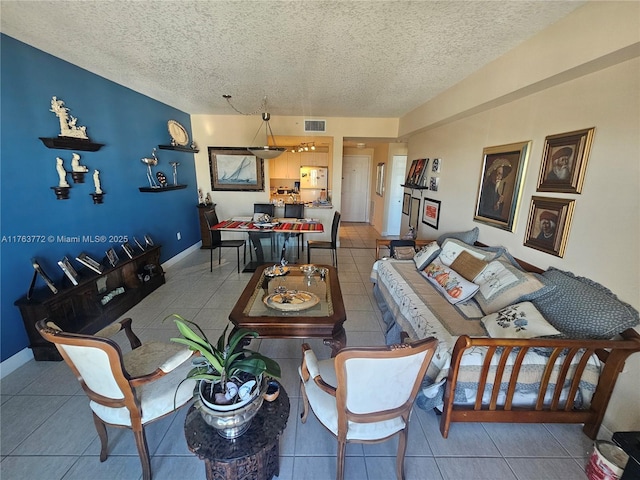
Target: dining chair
{"points": [[216, 241], [295, 210], [269, 209], [327, 245], [365, 394], [126, 390]]}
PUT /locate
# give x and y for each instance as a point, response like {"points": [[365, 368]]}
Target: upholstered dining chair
{"points": [[365, 394], [216, 241], [331, 245], [127, 390]]}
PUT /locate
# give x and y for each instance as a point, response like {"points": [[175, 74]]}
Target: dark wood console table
{"points": [[80, 308], [254, 455]]}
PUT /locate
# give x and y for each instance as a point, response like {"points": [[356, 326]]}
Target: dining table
{"points": [[284, 226]]}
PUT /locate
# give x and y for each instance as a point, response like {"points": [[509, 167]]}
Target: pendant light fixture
{"points": [[265, 151]]}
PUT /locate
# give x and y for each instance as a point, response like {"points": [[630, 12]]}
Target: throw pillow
{"points": [[468, 266], [404, 253], [521, 320], [454, 288], [502, 284], [469, 237], [426, 255], [452, 247], [582, 308]]}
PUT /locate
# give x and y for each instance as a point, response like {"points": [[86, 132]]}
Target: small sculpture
{"points": [[96, 181], [62, 174], [75, 164], [208, 200], [68, 122], [151, 161], [175, 172], [200, 197]]}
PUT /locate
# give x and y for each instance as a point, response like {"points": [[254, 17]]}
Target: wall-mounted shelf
{"points": [[178, 148], [161, 189], [415, 187], [70, 143]]}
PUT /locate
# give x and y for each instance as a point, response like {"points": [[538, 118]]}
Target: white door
{"points": [[396, 192], [355, 188]]}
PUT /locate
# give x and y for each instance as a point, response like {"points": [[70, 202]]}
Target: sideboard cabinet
{"points": [[97, 301]]}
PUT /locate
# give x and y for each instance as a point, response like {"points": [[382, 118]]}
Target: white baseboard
{"points": [[16, 361], [181, 255]]}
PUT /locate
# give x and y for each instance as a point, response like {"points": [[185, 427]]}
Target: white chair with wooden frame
{"points": [[127, 390], [365, 394]]}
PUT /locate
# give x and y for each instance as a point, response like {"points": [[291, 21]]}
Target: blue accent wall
{"points": [[129, 124]]}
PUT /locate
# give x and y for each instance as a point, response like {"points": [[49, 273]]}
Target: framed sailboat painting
{"points": [[235, 169]]}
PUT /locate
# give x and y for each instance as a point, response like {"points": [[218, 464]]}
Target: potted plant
{"points": [[232, 378]]}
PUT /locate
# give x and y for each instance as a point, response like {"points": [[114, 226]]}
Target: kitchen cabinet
{"points": [[314, 159], [286, 166]]}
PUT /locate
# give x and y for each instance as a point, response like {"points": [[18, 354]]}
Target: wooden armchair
{"points": [[125, 390], [366, 394]]}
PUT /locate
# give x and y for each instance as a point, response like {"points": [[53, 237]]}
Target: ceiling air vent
{"points": [[315, 125]]}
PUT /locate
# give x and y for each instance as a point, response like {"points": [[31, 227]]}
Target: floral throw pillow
{"points": [[452, 285], [521, 320]]}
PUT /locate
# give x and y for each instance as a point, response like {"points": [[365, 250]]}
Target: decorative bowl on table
{"points": [[291, 300]]}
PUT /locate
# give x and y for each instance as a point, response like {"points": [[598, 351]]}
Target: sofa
{"points": [[500, 321]]}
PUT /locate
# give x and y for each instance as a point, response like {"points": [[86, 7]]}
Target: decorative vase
{"points": [[231, 421]]}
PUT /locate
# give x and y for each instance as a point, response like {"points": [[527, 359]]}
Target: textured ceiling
{"points": [[311, 58]]}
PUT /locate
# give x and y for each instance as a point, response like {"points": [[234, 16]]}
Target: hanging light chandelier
{"points": [[268, 149]]}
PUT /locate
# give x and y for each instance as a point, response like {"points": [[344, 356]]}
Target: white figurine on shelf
{"points": [[67, 122], [75, 164], [96, 181], [62, 173]]}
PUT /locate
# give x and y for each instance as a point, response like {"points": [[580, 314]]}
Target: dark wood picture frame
{"points": [[500, 188], [549, 224], [234, 169], [431, 212], [564, 161], [414, 213], [406, 203]]}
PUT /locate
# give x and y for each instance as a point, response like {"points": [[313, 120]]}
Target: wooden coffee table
{"points": [[324, 319]]}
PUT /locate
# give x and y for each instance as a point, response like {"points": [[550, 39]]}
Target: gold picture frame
{"points": [[500, 188], [564, 161], [549, 224]]}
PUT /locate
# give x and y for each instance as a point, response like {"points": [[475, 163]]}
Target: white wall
{"points": [[603, 93]]}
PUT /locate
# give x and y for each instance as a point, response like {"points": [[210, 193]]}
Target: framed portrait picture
{"points": [[406, 203], [500, 188], [127, 249], [564, 161], [137, 242], [380, 180], [549, 224], [436, 165], [431, 212], [148, 241], [433, 183], [39, 271], [112, 256], [68, 270], [414, 214], [235, 169], [422, 177]]}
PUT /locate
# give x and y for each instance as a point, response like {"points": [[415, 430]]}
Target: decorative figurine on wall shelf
{"points": [[62, 190], [77, 170], [162, 179], [208, 201], [149, 162], [98, 194], [68, 122], [175, 172]]}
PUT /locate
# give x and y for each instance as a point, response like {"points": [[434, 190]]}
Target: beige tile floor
{"points": [[47, 431]]}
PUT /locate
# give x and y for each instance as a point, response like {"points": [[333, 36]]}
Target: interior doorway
{"points": [[393, 214], [355, 188]]}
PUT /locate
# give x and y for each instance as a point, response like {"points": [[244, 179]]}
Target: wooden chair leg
{"points": [[340, 467], [305, 403], [238, 255], [211, 259], [102, 434], [402, 448], [143, 451], [219, 255]]}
